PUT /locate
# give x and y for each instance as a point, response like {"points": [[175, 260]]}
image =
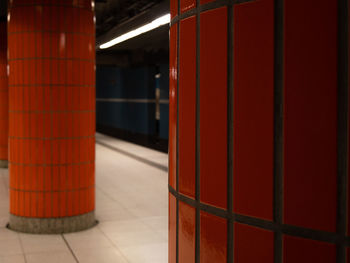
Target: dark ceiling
{"points": [[110, 13], [115, 17], [3, 9]]}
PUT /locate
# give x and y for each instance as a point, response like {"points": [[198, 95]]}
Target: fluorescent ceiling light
{"points": [[143, 29]]}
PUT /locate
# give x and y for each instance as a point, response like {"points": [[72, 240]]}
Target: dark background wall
{"points": [[126, 106]]}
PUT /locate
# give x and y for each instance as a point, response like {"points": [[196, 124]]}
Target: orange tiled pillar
{"points": [[259, 131], [3, 96], [52, 115]]}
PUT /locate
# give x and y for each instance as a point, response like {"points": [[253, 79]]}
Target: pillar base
{"points": [[3, 163], [52, 225]]}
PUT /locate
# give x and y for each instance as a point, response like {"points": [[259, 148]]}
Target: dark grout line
{"points": [[133, 156], [70, 249], [22, 249]]}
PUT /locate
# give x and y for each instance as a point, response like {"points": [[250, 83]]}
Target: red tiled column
{"points": [[52, 115], [3, 96], [259, 131]]}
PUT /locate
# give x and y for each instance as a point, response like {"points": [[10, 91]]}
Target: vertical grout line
{"points": [[278, 127], [197, 142], [58, 115], [44, 115], [67, 112], [177, 128], [52, 141], [72, 93], [31, 201], [36, 106], [22, 212], [342, 127], [230, 130]]}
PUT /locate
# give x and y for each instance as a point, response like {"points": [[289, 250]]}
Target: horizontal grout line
{"points": [[51, 5], [52, 85], [52, 191], [286, 229], [162, 101], [50, 32], [206, 7], [133, 156], [51, 218], [50, 165], [51, 138], [51, 58], [52, 112]]}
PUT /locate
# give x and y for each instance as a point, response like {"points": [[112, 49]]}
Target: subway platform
{"points": [[131, 207]]}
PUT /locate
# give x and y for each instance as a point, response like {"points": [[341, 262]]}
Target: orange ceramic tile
{"points": [[253, 244], [253, 108], [213, 239], [63, 204], [187, 219], [172, 105], [301, 250], [187, 105], [202, 2], [42, 90], [213, 120], [186, 5], [33, 208], [310, 115], [55, 204]]}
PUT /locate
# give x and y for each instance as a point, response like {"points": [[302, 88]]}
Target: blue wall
{"points": [[132, 83]]}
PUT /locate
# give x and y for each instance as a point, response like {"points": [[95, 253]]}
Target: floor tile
{"points": [[153, 253], [53, 257], [9, 247], [90, 239], [12, 259], [101, 255], [43, 243]]}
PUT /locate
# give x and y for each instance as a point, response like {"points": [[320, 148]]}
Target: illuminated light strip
{"points": [[143, 29]]}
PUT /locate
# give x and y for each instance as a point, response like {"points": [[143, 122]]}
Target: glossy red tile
{"points": [[187, 221], [253, 244], [202, 2], [174, 6], [213, 107], [310, 115], [213, 239], [172, 105], [186, 5], [301, 250], [253, 108], [187, 105]]}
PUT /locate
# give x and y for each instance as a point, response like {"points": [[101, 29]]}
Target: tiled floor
{"points": [[131, 206]]}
